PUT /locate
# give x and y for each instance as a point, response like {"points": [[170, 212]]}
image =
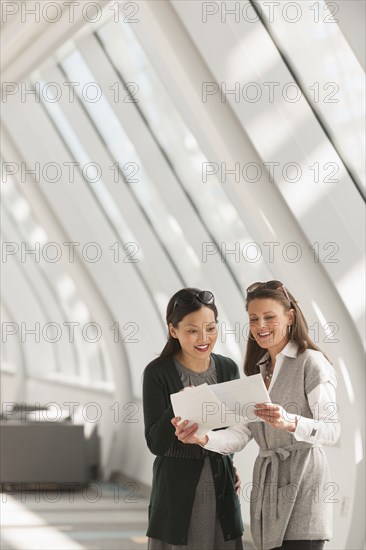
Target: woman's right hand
{"points": [[187, 435]]}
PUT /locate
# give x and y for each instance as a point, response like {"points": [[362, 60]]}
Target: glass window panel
{"points": [[89, 356], [120, 145], [215, 208], [329, 73], [123, 151]]}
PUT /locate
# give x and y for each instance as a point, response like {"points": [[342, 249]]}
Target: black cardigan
{"points": [[175, 479]]}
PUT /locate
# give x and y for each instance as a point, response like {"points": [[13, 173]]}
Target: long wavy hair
{"points": [[175, 314], [298, 331]]}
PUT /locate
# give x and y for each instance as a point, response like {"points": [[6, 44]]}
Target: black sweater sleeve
{"points": [[158, 412], [236, 371]]}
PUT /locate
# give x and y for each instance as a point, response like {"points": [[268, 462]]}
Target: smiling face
{"points": [[197, 334], [269, 323]]}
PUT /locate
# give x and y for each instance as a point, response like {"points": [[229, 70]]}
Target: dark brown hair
{"points": [[298, 332], [182, 303]]}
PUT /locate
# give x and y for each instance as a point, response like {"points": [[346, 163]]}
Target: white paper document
{"points": [[220, 405]]}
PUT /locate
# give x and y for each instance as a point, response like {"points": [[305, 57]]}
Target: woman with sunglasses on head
{"points": [[194, 503], [292, 489]]}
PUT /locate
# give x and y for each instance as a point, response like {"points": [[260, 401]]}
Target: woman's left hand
{"points": [[276, 416]]}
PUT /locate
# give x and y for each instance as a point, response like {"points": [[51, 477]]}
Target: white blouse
{"points": [[323, 428]]}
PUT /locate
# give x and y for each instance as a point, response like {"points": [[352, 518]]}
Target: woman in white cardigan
{"points": [[291, 499]]}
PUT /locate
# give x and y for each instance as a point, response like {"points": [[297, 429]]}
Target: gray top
{"points": [[191, 378]]}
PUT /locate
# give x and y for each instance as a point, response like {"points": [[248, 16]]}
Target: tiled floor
{"points": [[107, 516]]}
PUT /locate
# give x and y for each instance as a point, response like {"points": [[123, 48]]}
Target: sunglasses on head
{"points": [[271, 285], [204, 296]]}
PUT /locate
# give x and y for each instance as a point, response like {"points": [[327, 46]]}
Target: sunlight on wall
{"points": [[354, 279]]}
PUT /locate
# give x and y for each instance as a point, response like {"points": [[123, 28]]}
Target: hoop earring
{"points": [[251, 338]]}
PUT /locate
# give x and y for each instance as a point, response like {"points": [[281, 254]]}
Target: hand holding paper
{"points": [[221, 405]]}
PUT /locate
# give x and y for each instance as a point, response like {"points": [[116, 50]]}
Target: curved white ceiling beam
{"points": [[15, 366], [30, 310]]}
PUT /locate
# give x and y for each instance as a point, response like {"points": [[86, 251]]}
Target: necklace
{"points": [[269, 373]]}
